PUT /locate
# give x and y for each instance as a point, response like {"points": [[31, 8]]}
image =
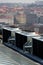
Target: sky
{"points": [[16, 1], [13, 1]]}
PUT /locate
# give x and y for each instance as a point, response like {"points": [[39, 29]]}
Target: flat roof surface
{"points": [[11, 57]]}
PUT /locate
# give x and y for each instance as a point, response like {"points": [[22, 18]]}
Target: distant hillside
{"points": [[11, 4], [7, 4], [39, 2]]}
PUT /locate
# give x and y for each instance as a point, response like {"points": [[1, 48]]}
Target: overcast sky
{"points": [[23, 1]]}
